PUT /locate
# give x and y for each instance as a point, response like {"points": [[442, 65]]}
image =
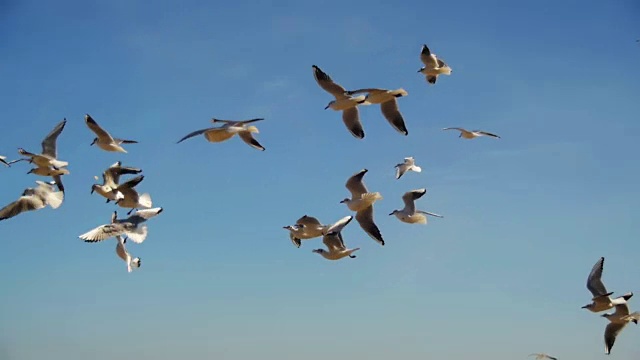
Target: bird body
{"points": [[103, 139], [408, 165], [433, 66], [362, 203], [409, 214], [307, 227]]}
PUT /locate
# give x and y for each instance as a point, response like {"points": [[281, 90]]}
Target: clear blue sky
{"points": [[501, 276]]}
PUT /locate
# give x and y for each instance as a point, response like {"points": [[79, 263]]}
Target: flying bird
{"points": [[111, 181], [127, 197], [347, 104], [133, 227], [49, 150], [362, 203], [409, 214], [466, 134], [617, 321], [409, 164], [228, 130], [50, 171], [601, 300], [433, 66], [334, 242], [121, 251], [307, 227], [104, 140], [388, 105], [34, 199]]}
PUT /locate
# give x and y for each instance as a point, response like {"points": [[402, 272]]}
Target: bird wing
{"points": [[365, 90], [327, 84], [103, 232], [93, 125], [142, 215], [394, 117], [49, 142], [334, 242], [24, 203], [365, 219], [622, 309], [351, 119], [454, 128], [121, 250], [441, 63], [340, 224], [131, 183], [610, 333], [250, 140], [486, 133], [355, 184], [116, 172], [309, 221], [426, 58], [594, 281], [195, 133], [235, 122], [409, 199]]}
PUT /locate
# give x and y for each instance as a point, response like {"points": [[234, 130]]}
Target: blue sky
{"points": [[501, 276]]}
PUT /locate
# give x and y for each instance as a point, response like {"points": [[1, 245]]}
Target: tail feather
{"points": [[416, 168], [55, 199], [375, 196], [145, 200]]}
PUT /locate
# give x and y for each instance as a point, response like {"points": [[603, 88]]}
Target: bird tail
{"points": [[445, 70], [399, 93], [416, 168], [135, 263], [372, 197], [138, 234], [59, 163], [55, 199], [145, 200]]}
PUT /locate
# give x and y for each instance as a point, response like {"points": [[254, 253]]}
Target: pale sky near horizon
{"points": [[501, 276]]}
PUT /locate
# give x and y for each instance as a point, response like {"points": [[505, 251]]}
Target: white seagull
{"points": [[466, 134], [617, 321], [388, 105], [602, 300], [228, 130], [343, 102], [362, 203], [111, 181], [409, 164], [433, 66], [49, 150], [34, 199], [134, 227], [334, 242], [307, 227], [409, 214], [123, 254], [104, 140]]}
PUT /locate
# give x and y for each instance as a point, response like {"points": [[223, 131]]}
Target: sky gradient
{"points": [[502, 275]]}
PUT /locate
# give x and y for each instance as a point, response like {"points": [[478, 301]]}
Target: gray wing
{"points": [[365, 219], [394, 117], [25, 203], [58, 180], [409, 199], [334, 242], [425, 56], [49, 142], [141, 216], [250, 140], [195, 133], [235, 122], [309, 221], [116, 172], [366, 90], [131, 183], [610, 333], [441, 63], [327, 84], [340, 224], [594, 281], [355, 185], [93, 125], [486, 133], [622, 309], [2, 160], [351, 119]]}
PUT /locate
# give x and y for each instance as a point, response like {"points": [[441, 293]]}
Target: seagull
{"points": [[410, 214], [362, 203], [34, 199], [433, 66], [133, 226], [601, 298], [347, 104], [111, 180], [618, 320], [307, 227], [104, 140], [49, 153], [409, 164], [471, 134], [388, 105], [540, 356], [56, 174], [123, 254], [226, 131], [334, 242], [127, 197]]}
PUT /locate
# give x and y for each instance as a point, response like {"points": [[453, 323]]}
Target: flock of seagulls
{"points": [[361, 201]]}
